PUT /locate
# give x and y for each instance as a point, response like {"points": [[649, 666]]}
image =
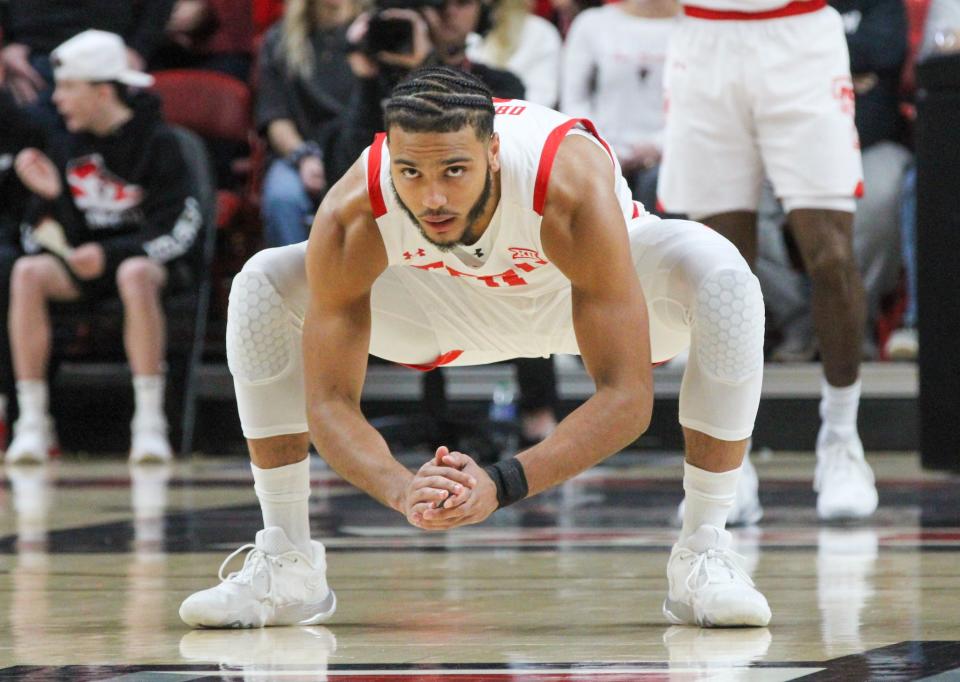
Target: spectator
{"points": [[304, 82], [876, 37], [216, 35], [122, 193], [613, 74], [16, 133], [523, 43], [439, 36], [32, 28]]}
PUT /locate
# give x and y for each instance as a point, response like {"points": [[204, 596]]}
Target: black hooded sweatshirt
{"points": [[130, 191]]}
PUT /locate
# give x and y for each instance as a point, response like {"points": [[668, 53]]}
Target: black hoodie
{"points": [[130, 191]]}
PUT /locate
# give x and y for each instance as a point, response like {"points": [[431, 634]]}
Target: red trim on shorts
{"points": [[374, 190], [636, 210], [444, 359], [858, 190], [550, 148], [789, 10], [659, 207]]}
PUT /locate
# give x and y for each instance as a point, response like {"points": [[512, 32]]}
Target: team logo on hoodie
{"points": [[106, 200]]}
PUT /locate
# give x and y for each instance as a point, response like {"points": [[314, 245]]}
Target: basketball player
{"points": [[759, 87], [476, 231]]}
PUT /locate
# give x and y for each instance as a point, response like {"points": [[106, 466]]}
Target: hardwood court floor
{"points": [[95, 559]]}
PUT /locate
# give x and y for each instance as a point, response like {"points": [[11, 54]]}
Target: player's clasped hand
{"points": [[434, 485], [473, 505]]}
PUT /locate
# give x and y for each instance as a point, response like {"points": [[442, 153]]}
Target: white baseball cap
{"points": [[96, 56]]}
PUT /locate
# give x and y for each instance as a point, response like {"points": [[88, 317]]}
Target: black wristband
{"points": [[509, 478]]}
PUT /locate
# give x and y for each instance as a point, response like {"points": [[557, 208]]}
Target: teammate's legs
{"points": [[739, 227], [808, 140], [843, 479], [700, 291]]}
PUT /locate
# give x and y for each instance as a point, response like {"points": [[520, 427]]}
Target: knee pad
{"points": [[258, 329], [728, 323]]}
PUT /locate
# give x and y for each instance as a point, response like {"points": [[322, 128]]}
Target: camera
{"points": [[390, 34]]}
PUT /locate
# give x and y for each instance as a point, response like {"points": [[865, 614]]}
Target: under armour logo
{"points": [[407, 255], [478, 253]]}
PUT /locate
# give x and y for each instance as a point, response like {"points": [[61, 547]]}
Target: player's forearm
{"points": [[603, 425], [356, 451]]}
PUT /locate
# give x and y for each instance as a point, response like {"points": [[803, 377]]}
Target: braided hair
{"points": [[439, 99]]}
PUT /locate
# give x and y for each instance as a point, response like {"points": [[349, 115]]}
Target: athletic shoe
{"points": [[708, 587], [903, 344], [33, 442], [149, 442], [843, 480], [278, 585], [303, 651], [746, 509]]}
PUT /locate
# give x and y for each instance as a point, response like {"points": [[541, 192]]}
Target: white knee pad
{"points": [[728, 325], [264, 348], [258, 332]]}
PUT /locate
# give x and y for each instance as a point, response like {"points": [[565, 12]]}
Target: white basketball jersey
{"points": [[508, 259]]}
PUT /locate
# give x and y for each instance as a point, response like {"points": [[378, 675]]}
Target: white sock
{"points": [[33, 399], [148, 392], [708, 498], [838, 407], [284, 494]]}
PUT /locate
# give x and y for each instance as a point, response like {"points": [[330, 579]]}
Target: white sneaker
{"points": [[746, 509], [903, 344], [708, 587], [278, 585], [149, 442], [33, 441], [843, 480]]}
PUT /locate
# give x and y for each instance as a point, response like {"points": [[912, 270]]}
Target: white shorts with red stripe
{"points": [[750, 95], [699, 291]]}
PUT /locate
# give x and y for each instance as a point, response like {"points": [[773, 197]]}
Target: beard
{"points": [[468, 237]]}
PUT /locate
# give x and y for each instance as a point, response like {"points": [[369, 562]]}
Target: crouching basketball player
{"points": [[476, 231]]}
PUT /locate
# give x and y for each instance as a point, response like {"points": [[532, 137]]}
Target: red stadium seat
{"points": [[219, 107]]}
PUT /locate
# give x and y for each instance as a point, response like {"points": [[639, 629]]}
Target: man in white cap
{"points": [[122, 192]]}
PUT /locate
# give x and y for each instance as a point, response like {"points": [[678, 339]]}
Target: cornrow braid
{"points": [[439, 99]]}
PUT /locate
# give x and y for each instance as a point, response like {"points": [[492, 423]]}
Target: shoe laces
{"points": [[714, 565], [255, 561], [840, 461]]}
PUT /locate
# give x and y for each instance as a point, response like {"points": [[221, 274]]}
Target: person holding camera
{"points": [[304, 81], [396, 38]]}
